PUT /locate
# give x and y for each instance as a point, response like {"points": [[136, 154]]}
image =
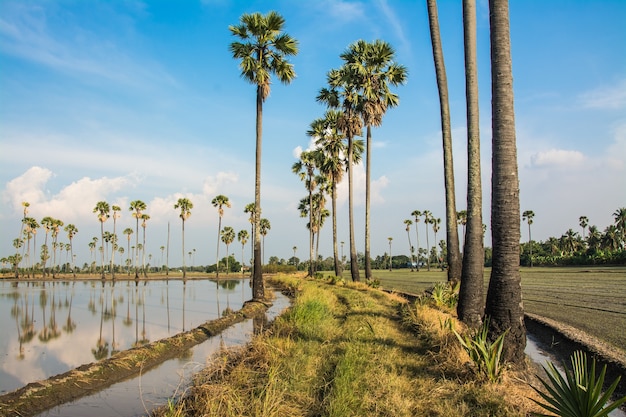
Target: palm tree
{"points": [[128, 231], [102, 210], [305, 169], [56, 226], [504, 297], [528, 215], [342, 95], [593, 238], [137, 207], [390, 239], [228, 236], [610, 238], [470, 307], [116, 215], [242, 237], [375, 71], [144, 218], [220, 201], [620, 224], [47, 223], [265, 227], [71, 232], [250, 209], [416, 215], [31, 231], [263, 51], [583, 221], [408, 223], [428, 217], [436, 226], [185, 205], [452, 235], [461, 220], [333, 163]]}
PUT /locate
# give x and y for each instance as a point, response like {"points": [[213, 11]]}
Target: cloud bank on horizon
{"points": [[142, 100]]}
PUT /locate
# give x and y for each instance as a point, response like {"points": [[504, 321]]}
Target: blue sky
{"points": [[126, 100]]}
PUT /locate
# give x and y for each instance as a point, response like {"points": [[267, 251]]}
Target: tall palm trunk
{"points": [[311, 232], [354, 264], [504, 296], [368, 158], [258, 289], [452, 234], [101, 253], [470, 308], [338, 270], [217, 251]]}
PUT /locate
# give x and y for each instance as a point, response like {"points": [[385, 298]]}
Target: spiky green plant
{"points": [[487, 356], [579, 393]]}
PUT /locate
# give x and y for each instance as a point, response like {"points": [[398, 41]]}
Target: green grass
{"points": [[349, 351], [588, 298]]}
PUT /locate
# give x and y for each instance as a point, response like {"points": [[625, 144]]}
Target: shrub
{"points": [[579, 393], [483, 353]]}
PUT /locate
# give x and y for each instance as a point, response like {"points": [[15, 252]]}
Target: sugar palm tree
{"points": [[116, 215], [56, 227], [128, 231], [470, 307], [249, 208], [452, 236], [265, 227], [242, 237], [375, 71], [144, 219], [219, 201], [263, 51], [228, 236], [185, 205], [330, 141], [137, 207], [504, 297], [583, 221], [436, 226], [305, 169], [428, 217], [529, 215], [390, 239], [342, 94], [416, 216], [102, 210], [408, 223], [71, 232], [47, 224]]}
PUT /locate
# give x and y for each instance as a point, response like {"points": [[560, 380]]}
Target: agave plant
{"points": [[579, 393], [487, 356]]}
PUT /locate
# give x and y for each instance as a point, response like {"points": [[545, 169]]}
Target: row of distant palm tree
{"points": [[587, 246], [28, 231]]}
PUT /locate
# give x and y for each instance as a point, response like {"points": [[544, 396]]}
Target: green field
{"points": [[592, 299]]}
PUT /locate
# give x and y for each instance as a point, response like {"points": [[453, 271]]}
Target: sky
{"points": [[142, 100]]}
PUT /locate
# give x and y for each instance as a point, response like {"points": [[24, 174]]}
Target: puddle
{"points": [[544, 348], [140, 394]]}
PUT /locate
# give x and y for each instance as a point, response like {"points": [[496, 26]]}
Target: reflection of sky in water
{"points": [[84, 320]]}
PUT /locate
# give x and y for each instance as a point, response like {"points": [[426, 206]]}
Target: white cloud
{"points": [[344, 10], [557, 158], [611, 97], [73, 201], [215, 184]]}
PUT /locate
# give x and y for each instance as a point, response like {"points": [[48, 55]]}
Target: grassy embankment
{"points": [[351, 351], [592, 299]]}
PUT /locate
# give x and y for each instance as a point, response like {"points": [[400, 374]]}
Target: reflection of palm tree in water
{"points": [[144, 340], [70, 325], [101, 350], [114, 345]]}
